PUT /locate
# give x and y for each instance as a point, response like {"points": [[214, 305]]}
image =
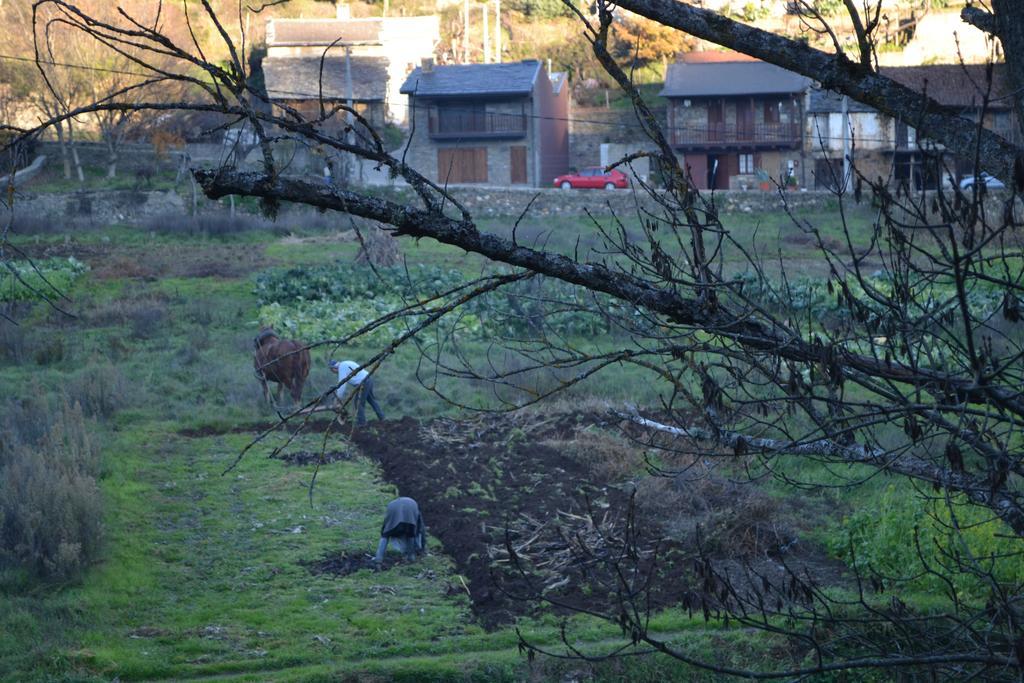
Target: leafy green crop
{"points": [[24, 281], [334, 301], [339, 281], [822, 300]]}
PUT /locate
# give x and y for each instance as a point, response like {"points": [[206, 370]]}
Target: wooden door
{"points": [[462, 165], [744, 120], [720, 168], [716, 121], [697, 167], [517, 164]]}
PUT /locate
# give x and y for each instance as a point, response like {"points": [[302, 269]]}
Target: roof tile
{"points": [[711, 79], [512, 78]]}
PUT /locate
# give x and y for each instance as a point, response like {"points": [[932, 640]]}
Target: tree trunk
{"points": [[74, 154], [111, 157], [182, 168], [1010, 15], [65, 158]]}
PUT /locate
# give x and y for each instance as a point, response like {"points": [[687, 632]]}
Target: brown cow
{"points": [[284, 361]]}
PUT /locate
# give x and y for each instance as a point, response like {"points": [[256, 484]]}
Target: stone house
{"points": [[733, 119], [396, 43], [883, 147], [496, 124], [297, 82], [871, 139]]}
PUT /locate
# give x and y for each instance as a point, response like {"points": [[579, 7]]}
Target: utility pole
{"points": [[348, 93], [349, 119], [497, 31], [465, 31], [487, 33], [845, 186]]}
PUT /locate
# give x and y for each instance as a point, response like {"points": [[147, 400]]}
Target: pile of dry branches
{"points": [[562, 548]]}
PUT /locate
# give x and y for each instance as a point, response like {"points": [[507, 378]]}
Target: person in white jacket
{"points": [[352, 377]]}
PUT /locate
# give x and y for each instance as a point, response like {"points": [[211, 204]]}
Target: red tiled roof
{"points": [[709, 56]]}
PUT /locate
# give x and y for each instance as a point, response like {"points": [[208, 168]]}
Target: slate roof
{"points": [[297, 78], [955, 85], [825, 101], [284, 32], [511, 78], [712, 79]]}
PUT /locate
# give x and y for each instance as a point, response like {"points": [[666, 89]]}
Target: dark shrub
{"points": [[50, 507], [49, 350], [146, 321], [100, 388], [14, 342], [142, 314], [26, 420], [34, 224], [206, 225]]}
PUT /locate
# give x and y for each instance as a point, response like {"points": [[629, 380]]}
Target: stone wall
{"points": [[104, 206], [482, 202], [491, 202], [132, 157], [590, 127], [129, 206]]}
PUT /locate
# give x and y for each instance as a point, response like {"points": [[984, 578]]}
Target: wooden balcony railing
{"points": [[476, 124], [730, 135]]}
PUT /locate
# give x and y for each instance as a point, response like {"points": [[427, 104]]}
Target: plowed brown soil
{"points": [[476, 481]]}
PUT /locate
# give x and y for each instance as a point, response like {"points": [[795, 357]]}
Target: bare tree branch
{"points": [[836, 72]]}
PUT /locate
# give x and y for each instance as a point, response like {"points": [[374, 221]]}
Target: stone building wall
{"points": [[590, 127], [422, 151]]}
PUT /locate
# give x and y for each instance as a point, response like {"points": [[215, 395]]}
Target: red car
{"points": [[593, 177]]}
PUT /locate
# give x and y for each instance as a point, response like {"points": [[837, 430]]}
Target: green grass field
{"points": [[200, 575]]}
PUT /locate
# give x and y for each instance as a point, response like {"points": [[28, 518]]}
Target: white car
{"points": [[991, 182]]}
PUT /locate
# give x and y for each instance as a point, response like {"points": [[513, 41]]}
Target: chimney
{"points": [[342, 10], [427, 65]]}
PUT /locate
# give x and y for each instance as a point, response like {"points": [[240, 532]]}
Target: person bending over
{"points": [[403, 524], [353, 378]]}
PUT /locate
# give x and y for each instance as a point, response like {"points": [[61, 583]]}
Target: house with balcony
{"points": [[495, 124], [883, 147], [733, 119]]}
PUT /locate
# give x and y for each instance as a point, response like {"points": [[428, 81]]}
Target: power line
{"points": [[83, 67]]}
